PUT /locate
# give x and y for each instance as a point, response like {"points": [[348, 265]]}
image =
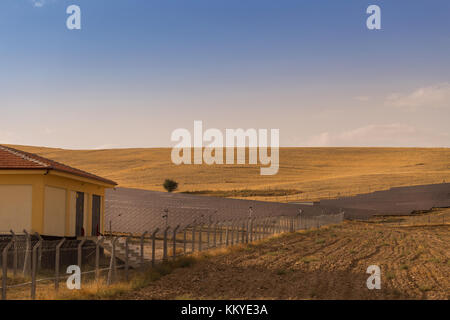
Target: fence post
{"points": [[226, 235], [165, 244], [277, 225], [27, 258], [215, 236], [184, 239], [112, 263], [114, 266], [207, 235], [260, 225], [261, 229], [97, 258], [220, 233], [57, 262], [5, 269], [267, 228], [39, 252], [237, 231], [200, 238], [232, 232], [193, 238], [174, 239], [34, 267], [80, 253], [126, 258], [251, 229], [154, 245], [264, 228], [142, 247], [15, 253]]}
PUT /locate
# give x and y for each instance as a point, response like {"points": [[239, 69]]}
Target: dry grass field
{"points": [[305, 173]]}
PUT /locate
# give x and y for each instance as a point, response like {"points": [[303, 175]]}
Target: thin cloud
{"points": [[38, 3], [381, 135], [437, 96], [41, 3]]}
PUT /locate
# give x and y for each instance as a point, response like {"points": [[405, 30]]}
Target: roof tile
{"points": [[16, 159]]}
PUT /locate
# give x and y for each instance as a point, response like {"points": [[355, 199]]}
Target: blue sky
{"points": [[138, 69]]}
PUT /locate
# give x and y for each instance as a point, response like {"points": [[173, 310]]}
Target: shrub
{"points": [[170, 185]]}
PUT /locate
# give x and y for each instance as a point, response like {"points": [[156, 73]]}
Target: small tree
{"points": [[170, 185]]}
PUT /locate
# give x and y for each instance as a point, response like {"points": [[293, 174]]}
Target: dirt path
{"points": [[329, 263]]}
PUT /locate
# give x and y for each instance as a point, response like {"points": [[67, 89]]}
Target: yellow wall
{"points": [[55, 211], [16, 204], [46, 201], [35, 180]]}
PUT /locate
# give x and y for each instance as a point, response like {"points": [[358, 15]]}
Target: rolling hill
{"points": [[305, 173]]}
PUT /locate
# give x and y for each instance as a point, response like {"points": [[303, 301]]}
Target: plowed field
{"points": [[329, 263]]}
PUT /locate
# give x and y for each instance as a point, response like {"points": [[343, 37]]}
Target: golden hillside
{"points": [[305, 173]]}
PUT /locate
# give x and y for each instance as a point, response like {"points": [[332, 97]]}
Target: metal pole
{"points": [[5, 269], [232, 232], [39, 252], [207, 234], [193, 238], [34, 268], [184, 240], [57, 262], [154, 245], [165, 244], [80, 253], [200, 238], [27, 258], [97, 258], [215, 235], [126, 258], [142, 247], [220, 234], [112, 262], [15, 254], [226, 235], [174, 249]]}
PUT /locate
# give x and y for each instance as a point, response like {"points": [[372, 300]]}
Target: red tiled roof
{"points": [[16, 159]]}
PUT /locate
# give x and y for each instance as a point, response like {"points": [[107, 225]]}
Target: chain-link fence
{"points": [[29, 261]]}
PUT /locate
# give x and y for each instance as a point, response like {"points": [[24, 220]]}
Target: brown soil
{"points": [[329, 263]]}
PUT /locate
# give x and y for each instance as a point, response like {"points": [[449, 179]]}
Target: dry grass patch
{"points": [[305, 173]]}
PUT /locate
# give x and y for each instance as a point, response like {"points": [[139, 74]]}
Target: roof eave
{"points": [[102, 182]]}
